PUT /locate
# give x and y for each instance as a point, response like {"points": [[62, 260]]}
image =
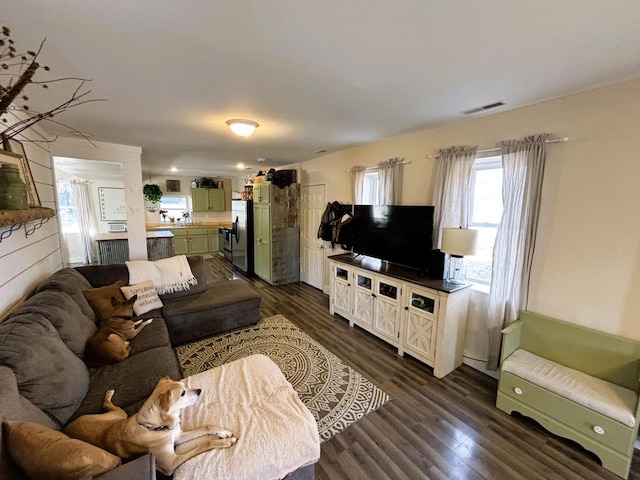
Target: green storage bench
{"points": [[576, 382]]}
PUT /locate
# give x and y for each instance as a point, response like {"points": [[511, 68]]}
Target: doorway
{"points": [[83, 190], [312, 252]]}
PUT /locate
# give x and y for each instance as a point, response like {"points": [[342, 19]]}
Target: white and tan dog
{"points": [[154, 429]]}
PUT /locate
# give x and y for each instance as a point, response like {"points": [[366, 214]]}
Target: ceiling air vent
{"points": [[320, 151], [489, 106]]}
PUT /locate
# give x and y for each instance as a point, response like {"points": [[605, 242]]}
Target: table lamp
{"points": [[458, 242]]}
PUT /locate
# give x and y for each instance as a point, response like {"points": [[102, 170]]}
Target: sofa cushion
{"points": [[69, 280], [65, 315], [100, 299], [102, 275], [59, 457], [47, 372], [153, 335], [14, 406], [604, 397], [224, 306], [132, 379]]}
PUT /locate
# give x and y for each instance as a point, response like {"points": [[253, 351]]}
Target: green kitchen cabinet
{"points": [[189, 241], [208, 199], [214, 240], [262, 193], [199, 241], [180, 242]]}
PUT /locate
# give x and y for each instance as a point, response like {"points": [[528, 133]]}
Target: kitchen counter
{"points": [[124, 236], [151, 227]]}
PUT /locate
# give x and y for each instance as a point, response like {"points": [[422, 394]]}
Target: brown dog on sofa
{"points": [[154, 429], [110, 343]]}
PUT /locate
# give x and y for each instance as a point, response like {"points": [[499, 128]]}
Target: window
{"points": [[370, 188], [175, 205], [66, 208], [484, 216]]}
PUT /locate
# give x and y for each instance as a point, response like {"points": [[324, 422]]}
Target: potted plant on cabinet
{"points": [[152, 196]]}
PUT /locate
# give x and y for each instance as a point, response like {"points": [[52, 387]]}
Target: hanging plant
{"points": [[152, 193]]}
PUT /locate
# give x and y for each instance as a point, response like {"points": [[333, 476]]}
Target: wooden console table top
{"points": [[402, 273]]}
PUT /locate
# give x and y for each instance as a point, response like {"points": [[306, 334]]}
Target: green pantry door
{"points": [[262, 237]]}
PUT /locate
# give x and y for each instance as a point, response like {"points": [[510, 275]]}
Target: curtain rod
{"points": [[376, 168], [497, 149]]}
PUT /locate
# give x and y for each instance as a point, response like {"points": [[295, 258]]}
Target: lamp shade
{"points": [[459, 242], [242, 128]]}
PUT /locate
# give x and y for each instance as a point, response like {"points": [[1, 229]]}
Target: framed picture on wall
{"points": [[22, 163], [173, 186]]}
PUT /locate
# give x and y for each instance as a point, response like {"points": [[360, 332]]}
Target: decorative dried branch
{"points": [[20, 70]]}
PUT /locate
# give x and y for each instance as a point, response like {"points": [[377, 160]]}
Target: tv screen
{"points": [[399, 234]]}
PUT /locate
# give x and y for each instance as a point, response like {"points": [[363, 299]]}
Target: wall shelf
{"points": [[14, 219]]}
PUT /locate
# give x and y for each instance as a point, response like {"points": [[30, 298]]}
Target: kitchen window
{"points": [[175, 205]]}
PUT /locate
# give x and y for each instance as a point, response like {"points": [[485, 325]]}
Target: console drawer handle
{"points": [[598, 429], [518, 391]]}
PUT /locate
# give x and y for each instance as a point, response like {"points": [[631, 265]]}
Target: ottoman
{"points": [[277, 434], [223, 306]]}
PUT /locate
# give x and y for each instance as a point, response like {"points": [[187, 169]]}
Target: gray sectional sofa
{"points": [[44, 378]]}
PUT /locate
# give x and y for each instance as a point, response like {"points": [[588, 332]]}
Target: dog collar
{"points": [[155, 429]]}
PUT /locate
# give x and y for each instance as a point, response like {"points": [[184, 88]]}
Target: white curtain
{"points": [[523, 163], [85, 218], [357, 184], [388, 178], [451, 193]]}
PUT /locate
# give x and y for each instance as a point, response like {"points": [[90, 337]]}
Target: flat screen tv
{"points": [[399, 234]]}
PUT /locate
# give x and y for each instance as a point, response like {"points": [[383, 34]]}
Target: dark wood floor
{"points": [[431, 429]]}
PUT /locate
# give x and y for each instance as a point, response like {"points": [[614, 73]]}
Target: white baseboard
{"points": [[481, 366]]}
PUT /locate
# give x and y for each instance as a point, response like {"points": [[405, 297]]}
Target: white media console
{"points": [[423, 317]]}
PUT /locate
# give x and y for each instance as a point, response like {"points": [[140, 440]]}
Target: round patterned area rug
{"points": [[335, 393]]}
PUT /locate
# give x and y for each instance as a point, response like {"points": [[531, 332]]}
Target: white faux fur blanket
{"points": [[276, 432], [169, 275]]}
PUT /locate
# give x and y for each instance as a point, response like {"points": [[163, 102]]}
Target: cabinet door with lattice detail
{"points": [[386, 320], [421, 325], [340, 291], [363, 299]]}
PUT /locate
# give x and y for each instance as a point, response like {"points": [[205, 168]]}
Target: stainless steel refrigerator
{"points": [[242, 235]]}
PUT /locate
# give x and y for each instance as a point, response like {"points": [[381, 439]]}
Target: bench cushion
{"points": [[604, 397]]}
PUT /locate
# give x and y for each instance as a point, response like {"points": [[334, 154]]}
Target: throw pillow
{"points": [[58, 456], [100, 299], [148, 298]]}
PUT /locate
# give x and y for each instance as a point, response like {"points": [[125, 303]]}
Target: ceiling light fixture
{"points": [[242, 128]]}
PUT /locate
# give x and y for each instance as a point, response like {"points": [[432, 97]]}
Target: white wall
{"points": [[586, 267], [26, 261], [130, 158]]}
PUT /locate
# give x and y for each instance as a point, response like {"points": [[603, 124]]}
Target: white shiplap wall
{"points": [[26, 261]]}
